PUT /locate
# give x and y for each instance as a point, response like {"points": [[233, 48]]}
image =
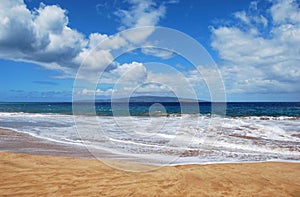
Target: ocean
{"points": [[164, 134]]}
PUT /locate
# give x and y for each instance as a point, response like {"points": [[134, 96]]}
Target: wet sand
{"points": [[39, 175], [11, 141]]}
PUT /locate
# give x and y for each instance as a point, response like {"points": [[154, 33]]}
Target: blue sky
{"points": [[255, 45]]}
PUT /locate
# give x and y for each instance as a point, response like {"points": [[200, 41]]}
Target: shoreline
{"points": [[20, 142]]}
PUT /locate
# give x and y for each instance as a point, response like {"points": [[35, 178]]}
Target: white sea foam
{"points": [[196, 139]]}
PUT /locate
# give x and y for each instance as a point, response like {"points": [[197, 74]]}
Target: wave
{"points": [[175, 139]]}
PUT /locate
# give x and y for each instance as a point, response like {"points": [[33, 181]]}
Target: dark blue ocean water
{"points": [[143, 108]]}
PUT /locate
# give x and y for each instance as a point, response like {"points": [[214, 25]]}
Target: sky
{"points": [[56, 50]]}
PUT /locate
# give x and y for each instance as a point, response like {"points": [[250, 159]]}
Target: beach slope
{"points": [[24, 174]]}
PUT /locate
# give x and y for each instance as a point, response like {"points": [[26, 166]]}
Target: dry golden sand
{"points": [[24, 175]]}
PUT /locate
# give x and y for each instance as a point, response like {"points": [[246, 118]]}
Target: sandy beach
{"points": [[65, 171], [46, 175]]}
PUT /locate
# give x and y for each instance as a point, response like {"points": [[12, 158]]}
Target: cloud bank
{"points": [[42, 35], [261, 51]]}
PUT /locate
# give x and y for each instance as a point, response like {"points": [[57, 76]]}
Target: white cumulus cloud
{"points": [[43, 36], [142, 13], [261, 52]]}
